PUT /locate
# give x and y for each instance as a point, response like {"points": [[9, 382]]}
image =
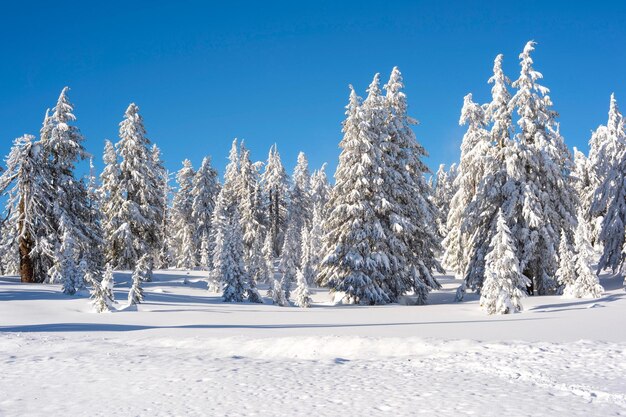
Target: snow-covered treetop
{"points": [[472, 113], [275, 176], [498, 110], [615, 124]]}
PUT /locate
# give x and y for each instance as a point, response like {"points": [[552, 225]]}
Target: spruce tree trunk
{"points": [[27, 273]]}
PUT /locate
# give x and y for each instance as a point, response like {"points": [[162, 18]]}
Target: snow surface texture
{"points": [[184, 352]]}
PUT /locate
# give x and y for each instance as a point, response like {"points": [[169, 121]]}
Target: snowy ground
{"points": [[184, 352]]}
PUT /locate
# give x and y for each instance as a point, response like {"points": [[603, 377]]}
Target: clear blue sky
{"points": [[204, 73]]}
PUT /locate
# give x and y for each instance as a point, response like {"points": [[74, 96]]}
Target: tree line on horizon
{"points": [[518, 215]]}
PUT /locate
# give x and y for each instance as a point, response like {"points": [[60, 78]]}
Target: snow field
{"points": [[184, 352]]}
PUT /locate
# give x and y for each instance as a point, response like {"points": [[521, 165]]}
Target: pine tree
{"points": [[300, 214], [302, 294], [62, 149], [65, 269], [504, 284], [102, 297], [320, 189], [158, 181], [94, 219], [607, 148], [584, 184], [231, 263], [311, 241], [289, 259], [138, 216], [141, 274], [443, 193], [182, 222], [111, 201], [545, 202], [410, 216], [275, 187], [566, 274], [164, 256], [269, 261], [586, 283], [353, 264], [247, 185], [204, 192], [474, 150], [484, 183], [29, 196]]}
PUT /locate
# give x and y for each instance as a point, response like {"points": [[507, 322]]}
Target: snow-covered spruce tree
{"points": [[300, 210], [275, 187], [408, 213], [475, 148], [443, 192], [231, 263], [270, 262], [246, 187], [311, 241], [164, 257], [545, 202], [606, 146], [504, 285], [320, 190], [257, 266], [302, 295], [204, 192], [138, 216], [141, 273], [111, 201], [612, 195], [566, 274], [64, 268], [582, 184], [159, 199], [29, 195], [606, 143], [102, 298], [289, 259], [181, 223], [237, 283], [486, 187], [225, 206], [353, 265], [586, 284], [62, 149]]}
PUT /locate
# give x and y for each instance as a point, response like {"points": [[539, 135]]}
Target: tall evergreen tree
{"points": [[411, 216], [111, 201], [300, 210], [612, 195], [606, 146], [204, 192], [182, 223], [545, 201], [353, 266], [275, 187], [475, 147], [586, 283], [25, 182], [138, 230], [504, 283], [566, 274]]}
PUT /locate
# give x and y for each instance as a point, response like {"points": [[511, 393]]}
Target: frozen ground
{"points": [[184, 352]]}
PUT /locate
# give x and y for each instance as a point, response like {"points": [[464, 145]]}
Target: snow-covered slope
{"points": [[184, 352]]}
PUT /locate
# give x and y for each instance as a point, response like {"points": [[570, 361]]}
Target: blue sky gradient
{"points": [[204, 73]]}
